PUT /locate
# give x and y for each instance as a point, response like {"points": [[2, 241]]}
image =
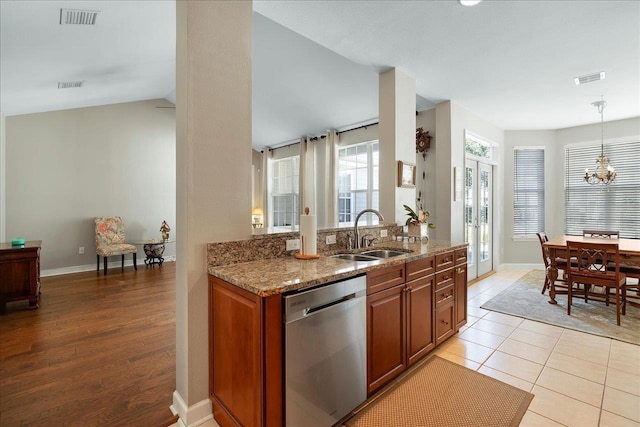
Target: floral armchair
{"points": [[110, 240]]}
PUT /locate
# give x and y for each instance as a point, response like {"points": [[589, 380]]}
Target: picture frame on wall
{"points": [[406, 174]]}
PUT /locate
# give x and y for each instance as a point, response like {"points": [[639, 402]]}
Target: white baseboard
{"points": [[520, 266], [92, 267], [193, 415]]}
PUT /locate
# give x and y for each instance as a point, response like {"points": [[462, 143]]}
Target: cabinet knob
{"points": [[460, 270]]}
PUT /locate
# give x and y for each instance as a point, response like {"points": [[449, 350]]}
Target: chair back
{"points": [[109, 230], [601, 233], [598, 263], [545, 251]]}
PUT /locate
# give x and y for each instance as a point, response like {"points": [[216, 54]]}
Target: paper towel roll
{"points": [[308, 234]]}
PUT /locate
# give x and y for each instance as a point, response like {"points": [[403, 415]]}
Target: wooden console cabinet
{"points": [[20, 273]]}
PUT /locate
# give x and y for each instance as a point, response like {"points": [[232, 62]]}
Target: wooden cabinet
{"points": [[460, 280], [245, 351], [399, 320], [386, 330], [20, 273]]}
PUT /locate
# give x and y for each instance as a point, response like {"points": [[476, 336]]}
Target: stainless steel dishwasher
{"points": [[325, 353]]}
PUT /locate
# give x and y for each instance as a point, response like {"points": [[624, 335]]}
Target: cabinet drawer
{"points": [[420, 268], [445, 296], [444, 323], [444, 261], [444, 278], [385, 278], [460, 256]]}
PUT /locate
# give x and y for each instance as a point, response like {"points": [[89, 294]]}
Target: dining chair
{"points": [[593, 269], [110, 240], [601, 233], [560, 262]]}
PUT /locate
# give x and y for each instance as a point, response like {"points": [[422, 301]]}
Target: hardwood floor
{"points": [[100, 351]]}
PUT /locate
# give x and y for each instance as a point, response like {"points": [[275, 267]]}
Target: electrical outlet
{"points": [[81, 250], [383, 233], [331, 240], [293, 244]]}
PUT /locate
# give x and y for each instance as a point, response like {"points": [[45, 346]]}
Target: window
{"points": [[612, 207], [528, 191], [284, 192], [358, 170], [476, 146]]}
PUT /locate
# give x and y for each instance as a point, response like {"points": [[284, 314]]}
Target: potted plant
{"points": [[417, 223]]}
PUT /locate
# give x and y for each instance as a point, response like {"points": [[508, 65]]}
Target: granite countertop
{"points": [[278, 275]]}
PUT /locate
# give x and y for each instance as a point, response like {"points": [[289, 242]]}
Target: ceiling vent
{"points": [[589, 78], [78, 17], [68, 85]]}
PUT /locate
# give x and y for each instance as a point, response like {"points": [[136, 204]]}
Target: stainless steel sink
{"points": [[355, 257], [384, 253]]}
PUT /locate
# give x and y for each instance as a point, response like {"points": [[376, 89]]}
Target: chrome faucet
{"points": [[355, 227]]}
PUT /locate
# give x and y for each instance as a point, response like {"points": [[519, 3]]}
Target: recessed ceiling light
{"points": [[469, 2], [589, 78]]}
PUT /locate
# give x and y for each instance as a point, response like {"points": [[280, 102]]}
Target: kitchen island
{"points": [[415, 301]]}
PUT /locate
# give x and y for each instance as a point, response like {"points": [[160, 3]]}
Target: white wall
{"points": [[3, 166], [554, 142], [65, 167]]}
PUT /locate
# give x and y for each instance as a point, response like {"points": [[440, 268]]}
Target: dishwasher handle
{"points": [[310, 310]]}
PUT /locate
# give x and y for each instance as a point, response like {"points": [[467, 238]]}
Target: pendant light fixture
{"points": [[604, 173]]}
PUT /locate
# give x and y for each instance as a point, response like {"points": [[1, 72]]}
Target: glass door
{"points": [[478, 217]]}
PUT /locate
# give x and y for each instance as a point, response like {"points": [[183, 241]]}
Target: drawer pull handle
{"points": [[445, 322], [460, 270]]}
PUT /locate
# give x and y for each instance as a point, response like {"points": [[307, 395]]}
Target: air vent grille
{"points": [[68, 85], [78, 17], [589, 78]]}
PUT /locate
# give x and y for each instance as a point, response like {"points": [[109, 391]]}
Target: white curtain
{"points": [[266, 206], [330, 178], [308, 175]]}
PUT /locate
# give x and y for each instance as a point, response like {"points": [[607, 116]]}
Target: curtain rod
{"points": [[313, 138], [363, 126]]}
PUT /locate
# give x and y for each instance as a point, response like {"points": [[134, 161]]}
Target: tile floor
{"points": [[578, 379]]}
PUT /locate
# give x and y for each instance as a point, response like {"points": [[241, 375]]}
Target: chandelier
{"points": [[604, 173]]}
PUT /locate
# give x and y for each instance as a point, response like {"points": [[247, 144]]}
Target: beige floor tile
{"points": [[531, 419], [583, 351], [493, 327], [534, 338], [623, 381], [607, 419], [471, 320], [477, 311], [581, 368], [506, 378], [569, 335], [505, 319], [483, 338], [525, 351], [625, 357], [621, 403], [570, 385], [467, 349], [563, 409], [541, 328], [515, 366], [459, 360]]}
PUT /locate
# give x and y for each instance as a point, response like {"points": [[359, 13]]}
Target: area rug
{"points": [[523, 299], [440, 393]]}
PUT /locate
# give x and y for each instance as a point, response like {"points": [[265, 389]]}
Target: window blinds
{"points": [[528, 191], [603, 207]]}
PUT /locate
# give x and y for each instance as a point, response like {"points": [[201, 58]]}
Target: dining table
{"points": [[629, 255]]}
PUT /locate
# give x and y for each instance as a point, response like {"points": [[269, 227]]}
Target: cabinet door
{"points": [[385, 336], [461, 295], [444, 323], [420, 334]]}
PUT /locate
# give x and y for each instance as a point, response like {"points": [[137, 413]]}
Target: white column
{"points": [[397, 133], [213, 172]]}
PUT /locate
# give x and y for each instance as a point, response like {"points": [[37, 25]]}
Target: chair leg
{"points": [[546, 284], [98, 261], [569, 297], [122, 262], [618, 305], [106, 261], [135, 264]]}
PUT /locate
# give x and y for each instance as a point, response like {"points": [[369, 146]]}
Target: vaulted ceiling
{"points": [[316, 63]]}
